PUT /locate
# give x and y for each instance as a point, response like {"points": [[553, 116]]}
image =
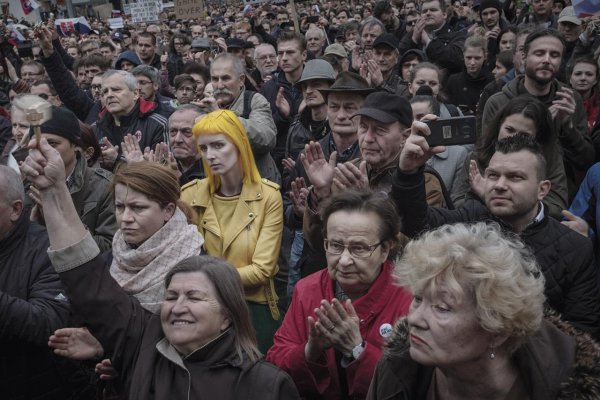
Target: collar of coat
{"points": [[556, 362]]}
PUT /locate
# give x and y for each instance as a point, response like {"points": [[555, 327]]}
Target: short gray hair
{"points": [[187, 107], [236, 63], [147, 71], [129, 79], [12, 185]]}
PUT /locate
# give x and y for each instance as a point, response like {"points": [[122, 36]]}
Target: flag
{"points": [[65, 26], [29, 5]]}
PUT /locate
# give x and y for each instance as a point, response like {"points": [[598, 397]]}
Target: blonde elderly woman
{"points": [[475, 329], [239, 214]]}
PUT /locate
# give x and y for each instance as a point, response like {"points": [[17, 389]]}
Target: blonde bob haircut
{"points": [[479, 263], [227, 123]]}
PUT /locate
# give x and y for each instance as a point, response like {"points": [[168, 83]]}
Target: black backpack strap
{"points": [[248, 95]]}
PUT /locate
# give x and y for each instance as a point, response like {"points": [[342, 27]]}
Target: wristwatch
{"points": [[357, 350]]}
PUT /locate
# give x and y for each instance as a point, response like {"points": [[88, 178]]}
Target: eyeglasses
{"points": [[357, 250], [411, 23], [97, 87], [267, 57], [187, 132], [143, 83]]}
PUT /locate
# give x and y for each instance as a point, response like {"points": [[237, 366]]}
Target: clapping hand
{"points": [[131, 149], [320, 172], [349, 176], [298, 196]]}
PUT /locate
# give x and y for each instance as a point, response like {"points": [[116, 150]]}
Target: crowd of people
{"points": [[247, 205]]}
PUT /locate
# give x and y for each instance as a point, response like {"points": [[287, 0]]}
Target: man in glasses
{"points": [[148, 80], [265, 58], [411, 20]]}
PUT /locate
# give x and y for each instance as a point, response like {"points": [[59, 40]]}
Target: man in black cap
{"points": [[381, 71], [89, 187], [383, 123]]}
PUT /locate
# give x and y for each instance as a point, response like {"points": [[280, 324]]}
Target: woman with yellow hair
{"points": [[239, 214]]}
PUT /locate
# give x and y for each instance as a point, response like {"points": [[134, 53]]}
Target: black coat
{"points": [[566, 258], [32, 306]]}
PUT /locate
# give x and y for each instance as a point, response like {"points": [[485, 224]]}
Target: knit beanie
{"points": [[63, 123], [490, 4]]}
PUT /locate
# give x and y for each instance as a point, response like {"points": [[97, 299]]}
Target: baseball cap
{"points": [[568, 15], [387, 108]]}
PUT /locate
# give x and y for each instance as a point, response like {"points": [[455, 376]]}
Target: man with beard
{"points": [[227, 77], [494, 25], [543, 50]]}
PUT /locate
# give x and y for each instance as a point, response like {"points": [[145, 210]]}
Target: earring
{"points": [[492, 354]]}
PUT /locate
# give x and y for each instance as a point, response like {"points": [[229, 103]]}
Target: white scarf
{"points": [[141, 271]]}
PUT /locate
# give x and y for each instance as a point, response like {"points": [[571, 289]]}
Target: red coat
{"points": [[378, 309]]}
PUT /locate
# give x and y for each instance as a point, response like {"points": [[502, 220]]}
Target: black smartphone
{"points": [[20, 154], [25, 49], [313, 19], [452, 131]]}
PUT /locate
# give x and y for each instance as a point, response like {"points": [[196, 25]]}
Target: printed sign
{"points": [[189, 9]]}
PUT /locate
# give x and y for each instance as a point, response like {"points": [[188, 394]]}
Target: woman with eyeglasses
{"points": [[239, 214], [333, 332], [179, 45]]}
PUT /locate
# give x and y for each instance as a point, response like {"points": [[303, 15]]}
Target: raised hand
{"points": [[109, 153], [320, 172], [298, 196], [563, 107], [339, 324], [131, 149], [576, 223], [282, 104], [44, 167], [476, 181], [349, 176], [75, 343], [416, 150]]}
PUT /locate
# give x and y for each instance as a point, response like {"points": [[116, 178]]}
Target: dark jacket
{"points": [[143, 122], [93, 201], [72, 96], [555, 363], [32, 306], [149, 366], [566, 258], [293, 95], [464, 90], [445, 49]]}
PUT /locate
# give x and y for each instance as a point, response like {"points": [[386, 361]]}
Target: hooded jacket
{"points": [[556, 363], [127, 55]]}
